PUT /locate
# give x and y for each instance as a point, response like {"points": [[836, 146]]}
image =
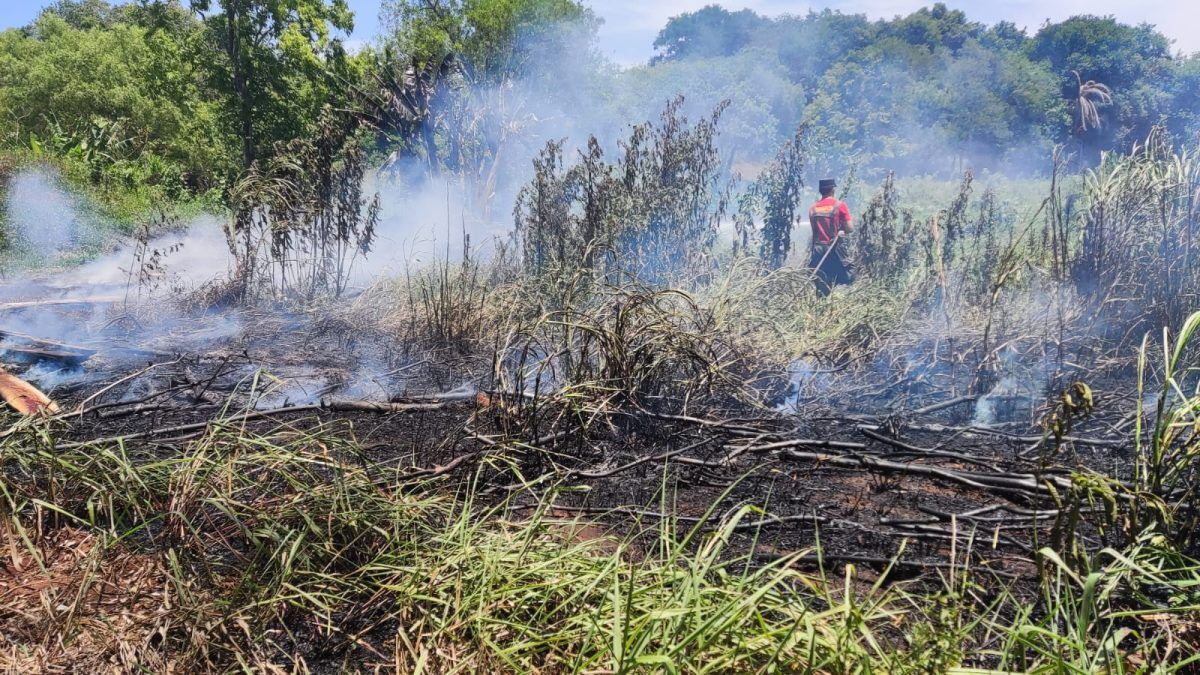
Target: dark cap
{"points": [[826, 184]]}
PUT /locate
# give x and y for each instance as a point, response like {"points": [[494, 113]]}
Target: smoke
{"points": [[369, 381], [423, 220], [805, 380], [301, 385], [123, 302], [42, 218], [1001, 404], [186, 259], [47, 222], [129, 304], [54, 227], [49, 376]]}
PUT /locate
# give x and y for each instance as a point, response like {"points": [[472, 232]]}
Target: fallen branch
{"points": [[926, 452], [340, 406], [1007, 483], [670, 454], [714, 424], [38, 354], [877, 563], [945, 404], [83, 404], [942, 428], [804, 443], [59, 302], [24, 397], [715, 518], [184, 428], [380, 407]]}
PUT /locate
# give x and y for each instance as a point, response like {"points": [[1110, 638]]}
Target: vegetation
{"points": [[302, 219], [920, 91], [616, 328], [651, 215], [471, 88]]}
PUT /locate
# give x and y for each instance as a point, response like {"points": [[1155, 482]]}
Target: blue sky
{"points": [[630, 25]]}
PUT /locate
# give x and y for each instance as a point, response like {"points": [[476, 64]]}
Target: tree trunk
{"points": [[241, 85], [247, 117]]}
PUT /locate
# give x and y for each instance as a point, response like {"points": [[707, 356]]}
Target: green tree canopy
{"points": [[82, 14], [278, 58], [131, 89], [711, 31], [493, 40]]}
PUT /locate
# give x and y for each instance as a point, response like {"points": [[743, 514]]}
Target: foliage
{"points": [[494, 40], [457, 86], [141, 116], [711, 31], [1090, 97], [1139, 233], [933, 89], [650, 216], [277, 66], [470, 86], [884, 239], [765, 105], [1166, 475], [302, 219], [774, 199], [83, 14]]}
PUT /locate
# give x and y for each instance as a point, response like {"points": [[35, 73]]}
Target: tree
{"points": [[809, 46], [123, 97], [1004, 36], [934, 27], [82, 14], [1133, 61], [1112, 52], [493, 40], [992, 105], [1185, 123], [455, 79], [708, 32], [764, 103], [275, 53]]}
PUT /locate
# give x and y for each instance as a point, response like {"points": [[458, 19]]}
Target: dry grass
{"points": [[75, 601]]}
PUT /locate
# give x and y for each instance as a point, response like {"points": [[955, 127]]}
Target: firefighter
{"points": [[830, 219]]}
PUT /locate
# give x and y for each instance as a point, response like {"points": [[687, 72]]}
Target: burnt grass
{"points": [[824, 473], [639, 466]]}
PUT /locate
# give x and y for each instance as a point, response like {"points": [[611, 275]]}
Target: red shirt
{"points": [[828, 217]]}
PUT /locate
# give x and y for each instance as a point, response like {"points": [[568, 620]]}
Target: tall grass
{"points": [[1135, 254], [1167, 466]]}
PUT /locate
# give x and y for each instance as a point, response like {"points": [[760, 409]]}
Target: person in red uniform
{"points": [[830, 219]]}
